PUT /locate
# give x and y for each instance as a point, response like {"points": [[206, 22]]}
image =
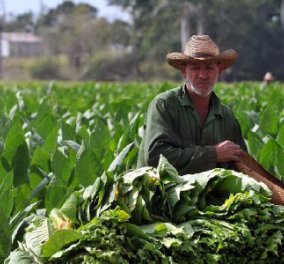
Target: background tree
{"points": [[141, 29], [250, 28], [74, 31], [23, 22], [253, 28], [68, 30], [88, 46]]}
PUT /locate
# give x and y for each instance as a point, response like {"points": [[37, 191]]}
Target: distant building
{"points": [[20, 44]]}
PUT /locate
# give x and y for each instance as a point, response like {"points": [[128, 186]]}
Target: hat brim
{"points": [[226, 59]]}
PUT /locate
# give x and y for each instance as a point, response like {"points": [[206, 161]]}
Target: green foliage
{"points": [[5, 239], [76, 32], [21, 23], [158, 216], [46, 69], [63, 9], [252, 28], [259, 110], [107, 66], [63, 145]]}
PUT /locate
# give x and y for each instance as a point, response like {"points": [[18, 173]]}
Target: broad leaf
{"points": [[56, 194], [69, 208], [45, 122], [118, 161], [167, 172], [60, 165], [100, 138], [20, 257], [88, 167], [255, 144], [51, 140], [38, 233], [268, 155], [41, 158], [280, 136], [5, 236], [269, 119], [16, 153], [58, 240], [68, 132]]}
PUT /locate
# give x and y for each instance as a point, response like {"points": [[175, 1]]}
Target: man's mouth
{"points": [[203, 83]]}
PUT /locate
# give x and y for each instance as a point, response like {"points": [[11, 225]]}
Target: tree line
{"points": [[92, 47]]}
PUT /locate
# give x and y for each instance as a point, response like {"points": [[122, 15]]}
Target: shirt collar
{"points": [[185, 100]]}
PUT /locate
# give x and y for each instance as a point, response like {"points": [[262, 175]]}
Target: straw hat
{"points": [[202, 48]]}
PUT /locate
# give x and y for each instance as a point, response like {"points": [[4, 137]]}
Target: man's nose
{"points": [[202, 73]]}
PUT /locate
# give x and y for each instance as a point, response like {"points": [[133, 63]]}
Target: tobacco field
{"points": [[70, 191]]}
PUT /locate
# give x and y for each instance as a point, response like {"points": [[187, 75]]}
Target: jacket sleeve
{"points": [[161, 138]]}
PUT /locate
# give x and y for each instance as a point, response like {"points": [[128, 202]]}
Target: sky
{"points": [[17, 7]]}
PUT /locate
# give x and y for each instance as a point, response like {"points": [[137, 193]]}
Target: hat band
{"points": [[202, 55]]}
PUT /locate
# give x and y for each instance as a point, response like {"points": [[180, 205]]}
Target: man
{"points": [[189, 125], [267, 79]]}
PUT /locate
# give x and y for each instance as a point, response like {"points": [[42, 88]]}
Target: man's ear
{"points": [[182, 69], [220, 68]]}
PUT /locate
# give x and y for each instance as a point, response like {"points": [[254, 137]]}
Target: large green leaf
{"points": [[100, 137], [69, 208], [6, 182], [41, 158], [7, 202], [56, 194], [174, 192], [16, 153], [44, 123], [38, 233], [280, 135], [68, 132], [60, 165], [268, 155], [245, 121], [22, 197], [5, 236], [88, 167], [17, 220], [167, 172], [20, 257], [141, 231], [135, 123], [42, 154], [58, 240], [227, 185], [21, 165], [51, 140], [119, 160], [255, 144], [279, 164], [269, 119], [83, 133]]}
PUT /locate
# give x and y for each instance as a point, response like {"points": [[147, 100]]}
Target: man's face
{"points": [[201, 77]]}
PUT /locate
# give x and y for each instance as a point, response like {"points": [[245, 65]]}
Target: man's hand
{"points": [[227, 151]]}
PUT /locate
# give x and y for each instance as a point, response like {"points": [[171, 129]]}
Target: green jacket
{"points": [[173, 129]]}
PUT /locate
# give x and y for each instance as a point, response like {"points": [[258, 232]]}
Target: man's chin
{"points": [[203, 93]]}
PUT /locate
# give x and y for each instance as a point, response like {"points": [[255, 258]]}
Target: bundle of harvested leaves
{"points": [[153, 215]]}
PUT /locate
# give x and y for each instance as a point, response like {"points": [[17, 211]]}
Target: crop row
{"points": [[55, 139]]}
